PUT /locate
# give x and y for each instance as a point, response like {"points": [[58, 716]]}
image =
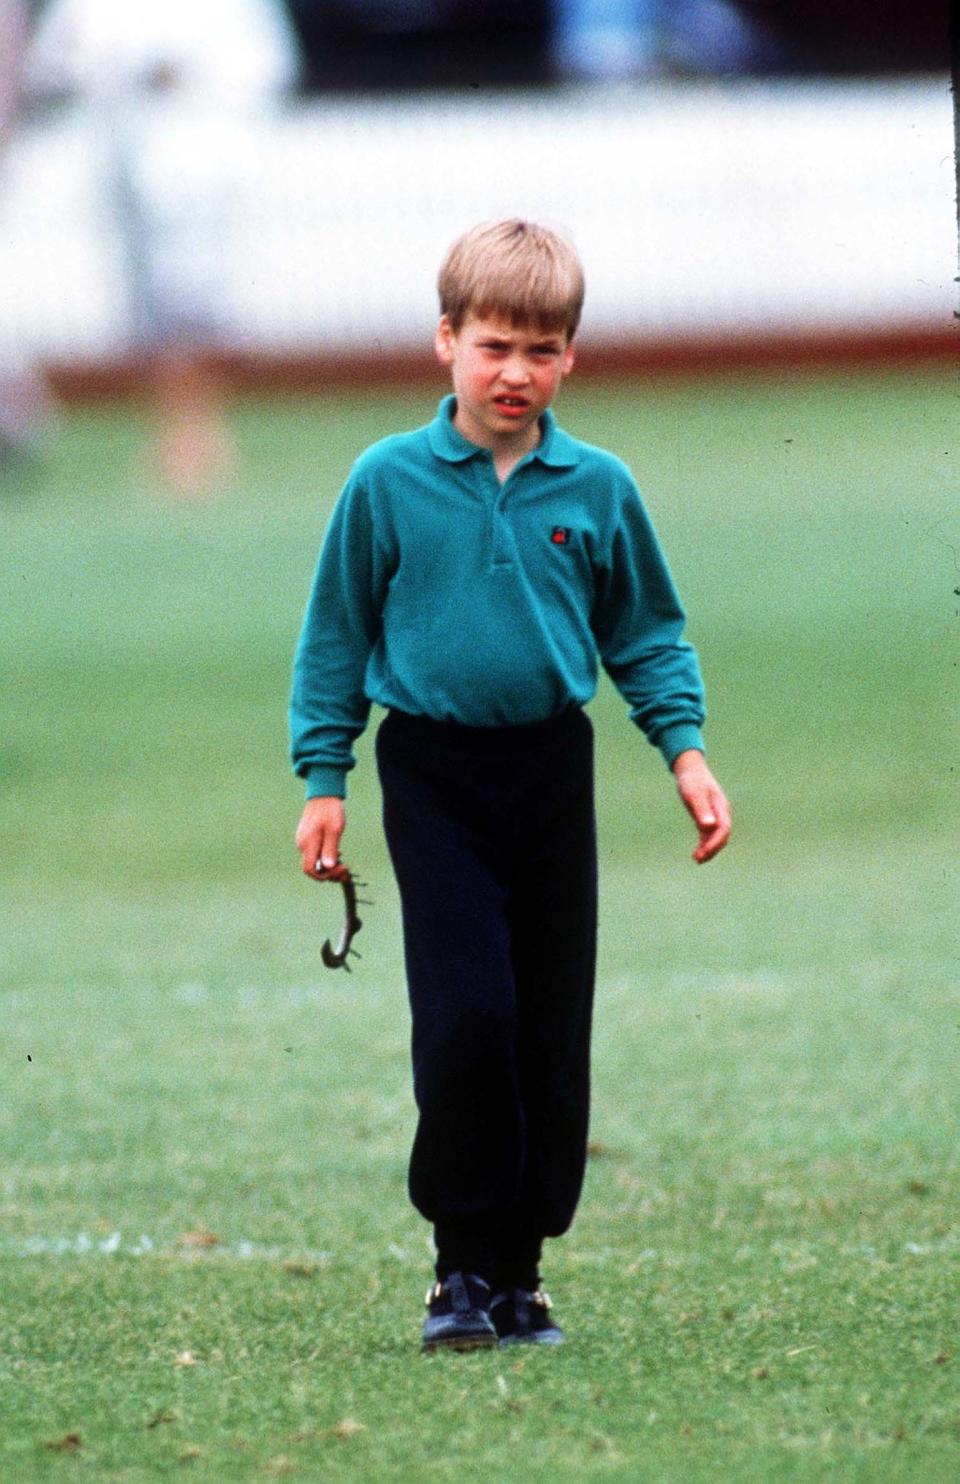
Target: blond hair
{"points": [[514, 268]]}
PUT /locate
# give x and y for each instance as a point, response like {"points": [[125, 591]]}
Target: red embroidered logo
{"points": [[560, 535]]}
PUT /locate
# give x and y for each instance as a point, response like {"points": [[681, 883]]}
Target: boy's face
{"points": [[504, 377]]}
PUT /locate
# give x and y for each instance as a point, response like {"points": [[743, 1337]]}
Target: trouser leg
{"points": [[554, 937], [553, 918], [497, 874], [468, 1149]]}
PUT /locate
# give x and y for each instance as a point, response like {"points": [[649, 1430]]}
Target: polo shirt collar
{"points": [[556, 448], [446, 441]]}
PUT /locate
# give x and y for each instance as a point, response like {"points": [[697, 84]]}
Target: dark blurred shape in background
{"points": [[390, 45], [394, 44], [838, 38]]}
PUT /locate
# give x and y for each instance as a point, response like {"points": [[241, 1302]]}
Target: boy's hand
{"points": [[705, 801], [322, 823]]}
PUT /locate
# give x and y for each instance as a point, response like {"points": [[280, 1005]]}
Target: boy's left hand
{"points": [[705, 801]]}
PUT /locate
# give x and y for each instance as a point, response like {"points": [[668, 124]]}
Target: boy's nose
{"points": [[514, 373]]}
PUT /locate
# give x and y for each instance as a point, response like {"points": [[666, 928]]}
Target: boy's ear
{"points": [[567, 360], [445, 341]]}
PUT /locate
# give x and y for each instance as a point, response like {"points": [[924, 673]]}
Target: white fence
{"points": [[700, 210]]}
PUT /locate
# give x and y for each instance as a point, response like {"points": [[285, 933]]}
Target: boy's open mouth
{"points": [[511, 404]]}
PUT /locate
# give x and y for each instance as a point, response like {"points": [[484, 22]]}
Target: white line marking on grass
{"points": [[83, 1245], [247, 996], [730, 983]]}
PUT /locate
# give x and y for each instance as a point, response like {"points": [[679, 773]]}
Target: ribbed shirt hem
{"points": [[676, 739], [325, 782]]}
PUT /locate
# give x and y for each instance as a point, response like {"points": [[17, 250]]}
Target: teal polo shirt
{"points": [[444, 593]]}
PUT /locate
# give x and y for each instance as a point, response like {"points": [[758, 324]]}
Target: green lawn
{"points": [[209, 1267]]}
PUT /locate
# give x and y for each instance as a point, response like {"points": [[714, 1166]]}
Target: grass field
{"points": [[209, 1268]]}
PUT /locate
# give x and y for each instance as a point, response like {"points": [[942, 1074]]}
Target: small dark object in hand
{"points": [[336, 958]]}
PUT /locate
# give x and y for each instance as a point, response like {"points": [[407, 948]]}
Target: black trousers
{"points": [[492, 837]]}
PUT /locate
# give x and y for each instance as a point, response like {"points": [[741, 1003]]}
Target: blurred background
{"points": [[274, 181]]}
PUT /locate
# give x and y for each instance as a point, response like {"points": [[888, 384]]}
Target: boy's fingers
{"points": [[309, 854], [710, 812], [712, 817], [329, 851], [318, 835], [311, 847], [321, 853], [324, 853]]}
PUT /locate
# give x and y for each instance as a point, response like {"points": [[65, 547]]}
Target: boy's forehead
{"points": [[505, 327]]}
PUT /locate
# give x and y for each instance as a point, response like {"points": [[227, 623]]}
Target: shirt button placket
{"points": [[499, 544]]}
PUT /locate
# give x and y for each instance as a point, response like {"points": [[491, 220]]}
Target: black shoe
{"points": [[522, 1317], [458, 1315]]}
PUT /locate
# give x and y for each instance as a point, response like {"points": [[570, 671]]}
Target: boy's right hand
{"points": [[322, 823]]}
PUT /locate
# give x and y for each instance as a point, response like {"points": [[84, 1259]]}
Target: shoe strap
{"points": [[457, 1289], [525, 1301], [455, 1286], [523, 1296]]}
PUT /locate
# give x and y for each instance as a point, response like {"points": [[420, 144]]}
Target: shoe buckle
{"points": [[433, 1293], [543, 1299]]}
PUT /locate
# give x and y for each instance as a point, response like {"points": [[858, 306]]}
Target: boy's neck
{"points": [[506, 451]]}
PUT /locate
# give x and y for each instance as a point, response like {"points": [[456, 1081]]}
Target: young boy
{"points": [[473, 572]]}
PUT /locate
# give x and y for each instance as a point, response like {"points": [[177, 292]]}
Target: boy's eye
{"points": [[544, 352]]}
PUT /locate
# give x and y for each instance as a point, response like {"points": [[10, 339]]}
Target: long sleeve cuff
{"points": [[678, 738], [326, 782]]}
